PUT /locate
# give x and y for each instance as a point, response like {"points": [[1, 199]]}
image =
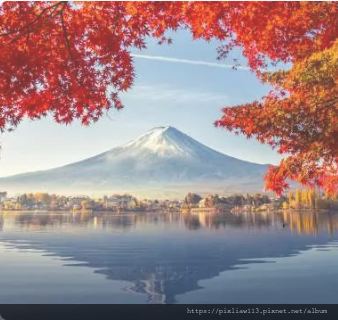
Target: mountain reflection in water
{"points": [[164, 255]]}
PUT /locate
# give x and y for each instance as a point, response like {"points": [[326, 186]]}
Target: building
{"points": [[201, 203], [3, 196], [75, 202], [10, 204]]}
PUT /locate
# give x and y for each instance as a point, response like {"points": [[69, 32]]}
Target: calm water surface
{"points": [[168, 258]]}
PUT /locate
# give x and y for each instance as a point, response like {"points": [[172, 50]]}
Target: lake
{"points": [[289, 257]]}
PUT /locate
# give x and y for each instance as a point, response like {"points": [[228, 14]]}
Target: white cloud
{"points": [[164, 93], [188, 61]]}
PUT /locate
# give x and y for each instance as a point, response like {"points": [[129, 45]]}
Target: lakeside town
{"points": [[298, 199]]}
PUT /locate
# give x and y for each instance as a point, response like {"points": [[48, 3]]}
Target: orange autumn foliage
{"points": [[62, 58]]}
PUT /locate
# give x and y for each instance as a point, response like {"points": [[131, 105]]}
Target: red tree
{"points": [[61, 58]]}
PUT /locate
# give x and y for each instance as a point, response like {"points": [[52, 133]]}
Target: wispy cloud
{"points": [[166, 93], [188, 61]]}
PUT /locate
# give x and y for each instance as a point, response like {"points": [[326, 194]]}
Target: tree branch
{"points": [[65, 31], [19, 36], [39, 16]]}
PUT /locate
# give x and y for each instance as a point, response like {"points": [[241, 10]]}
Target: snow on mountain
{"points": [[169, 142], [163, 157]]}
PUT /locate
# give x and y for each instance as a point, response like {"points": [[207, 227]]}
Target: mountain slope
{"points": [[162, 158]]}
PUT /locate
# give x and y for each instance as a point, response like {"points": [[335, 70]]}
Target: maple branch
{"points": [[31, 23], [65, 31], [39, 16]]}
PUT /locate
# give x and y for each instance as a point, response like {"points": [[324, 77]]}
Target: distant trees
{"points": [[290, 198], [254, 200], [45, 201], [233, 201], [260, 199], [297, 197], [38, 198], [192, 199], [236, 200], [305, 198], [23, 199], [211, 201], [311, 197]]}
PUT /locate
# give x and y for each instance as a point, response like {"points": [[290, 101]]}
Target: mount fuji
{"points": [[163, 162]]}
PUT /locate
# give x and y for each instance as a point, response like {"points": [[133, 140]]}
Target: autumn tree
{"points": [[72, 59], [290, 197], [304, 197], [298, 196], [311, 197], [299, 116]]}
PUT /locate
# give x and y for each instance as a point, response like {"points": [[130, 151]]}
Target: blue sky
{"points": [[187, 95]]}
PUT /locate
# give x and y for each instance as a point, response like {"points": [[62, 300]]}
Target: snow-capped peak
{"points": [[170, 142], [164, 141]]}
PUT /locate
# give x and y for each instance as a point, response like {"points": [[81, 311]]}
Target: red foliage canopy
{"points": [[62, 57]]}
